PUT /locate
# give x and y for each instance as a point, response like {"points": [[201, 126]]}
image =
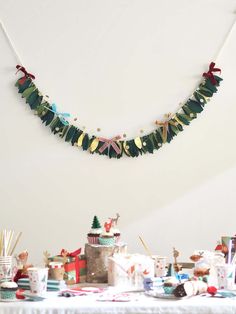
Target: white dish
{"points": [[10, 300], [32, 297], [160, 295]]}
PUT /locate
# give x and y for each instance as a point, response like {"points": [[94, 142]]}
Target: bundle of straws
{"points": [[8, 242]]}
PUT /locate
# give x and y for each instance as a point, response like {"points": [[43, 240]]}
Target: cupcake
{"points": [[170, 285], [95, 231], [8, 290], [107, 237], [114, 228], [116, 233]]}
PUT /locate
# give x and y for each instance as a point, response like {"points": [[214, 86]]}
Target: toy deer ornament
{"points": [[115, 220], [177, 267]]}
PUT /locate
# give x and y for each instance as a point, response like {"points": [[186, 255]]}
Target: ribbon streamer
{"points": [[27, 74], [210, 72], [72, 254], [170, 119], [61, 115], [110, 142], [165, 125]]}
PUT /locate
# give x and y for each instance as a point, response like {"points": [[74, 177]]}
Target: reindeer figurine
{"points": [[177, 267], [114, 221]]}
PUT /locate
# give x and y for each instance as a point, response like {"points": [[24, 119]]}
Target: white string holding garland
{"points": [[10, 42], [229, 33], [19, 60]]}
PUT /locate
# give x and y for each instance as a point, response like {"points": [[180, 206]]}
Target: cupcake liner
{"points": [[117, 238], [168, 290], [8, 294], [107, 241], [93, 240]]}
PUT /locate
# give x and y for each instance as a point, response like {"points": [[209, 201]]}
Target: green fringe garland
{"points": [[131, 148]]}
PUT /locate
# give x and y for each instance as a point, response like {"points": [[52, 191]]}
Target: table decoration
{"points": [[38, 280], [97, 256], [74, 263], [56, 271], [52, 285], [8, 243], [8, 290], [129, 270], [205, 264], [95, 231]]}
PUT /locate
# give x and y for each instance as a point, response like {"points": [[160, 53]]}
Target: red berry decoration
{"points": [[20, 294], [212, 290]]}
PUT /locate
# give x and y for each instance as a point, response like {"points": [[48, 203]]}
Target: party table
{"points": [[139, 304]]}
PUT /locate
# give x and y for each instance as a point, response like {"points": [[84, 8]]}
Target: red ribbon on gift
{"points": [[27, 74], [110, 142], [72, 254], [210, 74], [76, 261]]}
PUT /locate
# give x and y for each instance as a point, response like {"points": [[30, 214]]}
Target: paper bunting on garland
{"points": [[165, 130]]}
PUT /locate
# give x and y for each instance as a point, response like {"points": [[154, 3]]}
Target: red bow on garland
{"points": [[210, 74], [27, 74], [72, 254]]}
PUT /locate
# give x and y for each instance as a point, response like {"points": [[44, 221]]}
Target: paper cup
{"points": [[56, 271], [226, 276], [38, 280], [6, 268], [159, 265]]}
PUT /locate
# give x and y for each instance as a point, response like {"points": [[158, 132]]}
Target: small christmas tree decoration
{"points": [[96, 224], [95, 231]]}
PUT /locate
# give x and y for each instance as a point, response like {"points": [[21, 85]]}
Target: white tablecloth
{"points": [[140, 305]]}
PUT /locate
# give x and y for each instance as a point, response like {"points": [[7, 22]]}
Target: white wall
{"points": [[118, 65]]}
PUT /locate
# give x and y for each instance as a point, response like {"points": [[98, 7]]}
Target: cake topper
{"points": [[108, 225], [177, 267], [114, 221]]}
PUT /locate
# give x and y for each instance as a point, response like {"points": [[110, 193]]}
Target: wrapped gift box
{"points": [[75, 267], [129, 270]]}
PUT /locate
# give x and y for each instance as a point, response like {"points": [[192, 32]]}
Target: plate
{"points": [[160, 295], [10, 300], [32, 297]]}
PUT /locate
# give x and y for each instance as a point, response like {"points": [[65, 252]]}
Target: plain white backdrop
{"points": [[119, 66]]}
